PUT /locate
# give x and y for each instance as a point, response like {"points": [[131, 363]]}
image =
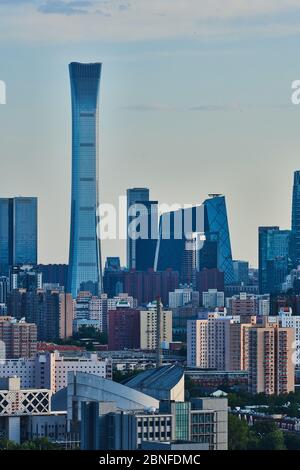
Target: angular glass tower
{"points": [[18, 232], [209, 219], [84, 254], [216, 222], [174, 242], [296, 219]]}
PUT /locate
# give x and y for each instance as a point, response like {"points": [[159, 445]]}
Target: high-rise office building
{"points": [[241, 272], [208, 255], [54, 273], [145, 245], [141, 236], [112, 264], [176, 240], [18, 232], [84, 271], [274, 258], [208, 225], [216, 222], [4, 287], [296, 218]]}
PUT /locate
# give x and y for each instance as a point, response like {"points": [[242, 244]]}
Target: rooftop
{"points": [[163, 378]]}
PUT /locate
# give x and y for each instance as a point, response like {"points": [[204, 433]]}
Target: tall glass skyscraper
{"points": [[18, 232], [216, 222], [208, 220], [296, 219], [145, 245], [134, 196], [85, 256], [176, 238], [274, 259]]}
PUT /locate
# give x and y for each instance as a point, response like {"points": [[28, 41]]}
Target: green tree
{"points": [[269, 436], [238, 433], [41, 443], [6, 444], [292, 441]]}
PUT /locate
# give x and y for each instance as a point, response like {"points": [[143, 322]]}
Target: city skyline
{"points": [[165, 110], [149, 229]]}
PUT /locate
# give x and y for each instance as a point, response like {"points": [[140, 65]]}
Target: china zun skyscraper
{"points": [[84, 256]]}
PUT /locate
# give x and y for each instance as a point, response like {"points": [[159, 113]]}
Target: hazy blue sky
{"points": [[195, 98]]}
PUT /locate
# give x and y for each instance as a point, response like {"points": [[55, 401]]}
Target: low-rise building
{"points": [[50, 370]]}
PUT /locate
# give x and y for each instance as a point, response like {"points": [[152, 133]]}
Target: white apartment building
{"points": [[248, 304], [288, 320], [213, 298], [148, 330], [183, 296], [208, 341], [92, 310], [50, 370]]}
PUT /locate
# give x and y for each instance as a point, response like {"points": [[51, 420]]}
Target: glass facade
{"points": [[273, 258], [134, 196], [145, 245], [84, 256], [209, 219], [216, 222], [18, 232], [174, 240], [4, 236], [182, 414], [296, 219]]}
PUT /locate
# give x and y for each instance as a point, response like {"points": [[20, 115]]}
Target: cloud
{"points": [[60, 7], [206, 108], [215, 107], [148, 107], [134, 20], [164, 107]]}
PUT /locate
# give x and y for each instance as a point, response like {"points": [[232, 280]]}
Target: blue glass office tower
{"points": [[134, 196], [274, 260], [216, 222], [84, 254], [18, 232], [145, 245], [296, 219], [174, 240], [210, 220]]}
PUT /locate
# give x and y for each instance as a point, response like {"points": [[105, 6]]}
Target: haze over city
{"points": [[199, 94]]}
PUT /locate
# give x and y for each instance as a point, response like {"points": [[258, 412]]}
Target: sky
{"points": [[195, 99]]}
